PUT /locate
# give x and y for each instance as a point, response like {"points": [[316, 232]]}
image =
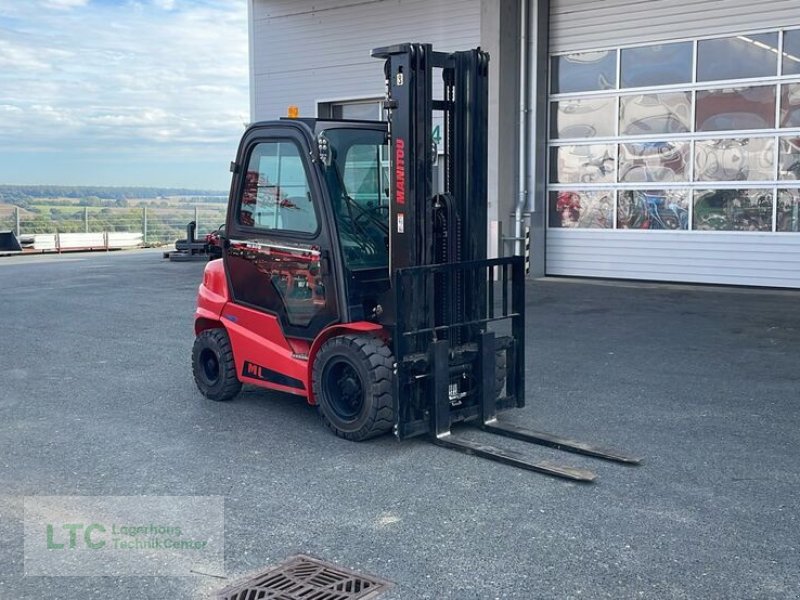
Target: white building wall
{"points": [[310, 51]]}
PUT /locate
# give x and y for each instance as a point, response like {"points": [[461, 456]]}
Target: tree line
{"points": [[23, 194]]}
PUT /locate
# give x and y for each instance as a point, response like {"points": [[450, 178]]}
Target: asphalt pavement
{"points": [[97, 398]]}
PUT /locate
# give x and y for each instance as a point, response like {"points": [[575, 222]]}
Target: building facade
{"points": [[635, 139]]}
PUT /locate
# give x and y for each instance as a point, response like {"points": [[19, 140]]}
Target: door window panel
{"points": [[790, 105], [661, 64], [789, 149], [358, 182], [582, 209], [285, 280], [738, 57], [276, 193], [653, 209], [648, 114], [653, 161], [582, 118], [594, 163], [584, 72], [733, 210], [739, 159], [791, 52], [788, 218], [736, 108]]}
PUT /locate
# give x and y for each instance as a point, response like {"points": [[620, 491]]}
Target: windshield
{"points": [[358, 179]]}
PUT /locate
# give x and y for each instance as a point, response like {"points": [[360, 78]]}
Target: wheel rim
{"points": [[344, 390], [209, 366]]}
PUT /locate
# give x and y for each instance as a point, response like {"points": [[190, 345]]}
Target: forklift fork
{"points": [[441, 434]]}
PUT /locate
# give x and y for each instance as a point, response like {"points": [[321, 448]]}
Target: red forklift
{"points": [[349, 279]]}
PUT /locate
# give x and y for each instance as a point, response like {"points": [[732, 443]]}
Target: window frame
{"points": [[742, 37]]}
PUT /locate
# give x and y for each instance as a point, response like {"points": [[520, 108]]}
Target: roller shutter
{"points": [[685, 169]]}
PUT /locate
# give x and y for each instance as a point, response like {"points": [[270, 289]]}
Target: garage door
{"points": [[675, 159]]}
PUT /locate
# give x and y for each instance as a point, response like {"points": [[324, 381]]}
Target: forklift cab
{"points": [[308, 222]]}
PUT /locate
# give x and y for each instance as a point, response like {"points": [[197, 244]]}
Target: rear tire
{"points": [[353, 379], [213, 366]]}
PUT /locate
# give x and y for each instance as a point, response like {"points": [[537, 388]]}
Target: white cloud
{"points": [[16, 57], [65, 4], [162, 75]]}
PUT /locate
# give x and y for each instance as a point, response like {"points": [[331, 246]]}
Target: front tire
{"points": [[213, 366], [352, 379]]}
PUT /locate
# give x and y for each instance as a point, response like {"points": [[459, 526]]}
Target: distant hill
{"points": [[14, 194]]}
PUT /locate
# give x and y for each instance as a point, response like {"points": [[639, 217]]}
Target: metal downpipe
{"points": [[524, 127]]}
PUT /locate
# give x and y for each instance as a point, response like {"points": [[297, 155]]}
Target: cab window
{"points": [[366, 175], [358, 183], [276, 194]]}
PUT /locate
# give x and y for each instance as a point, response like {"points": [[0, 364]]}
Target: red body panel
{"points": [[264, 356], [257, 339], [211, 297]]}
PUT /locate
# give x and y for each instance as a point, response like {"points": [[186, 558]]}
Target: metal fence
{"points": [[157, 225]]}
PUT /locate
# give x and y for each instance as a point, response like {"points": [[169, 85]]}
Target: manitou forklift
{"points": [[347, 278]]}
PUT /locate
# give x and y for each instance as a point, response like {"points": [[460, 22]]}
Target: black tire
{"points": [[352, 378], [213, 366]]}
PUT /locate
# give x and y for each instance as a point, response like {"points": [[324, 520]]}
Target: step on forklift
{"points": [[350, 279]]}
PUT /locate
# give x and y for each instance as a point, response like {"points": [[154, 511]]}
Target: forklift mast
{"points": [[429, 226], [459, 318], [443, 283], [415, 239]]}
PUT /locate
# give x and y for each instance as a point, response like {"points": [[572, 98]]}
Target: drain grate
{"points": [[305, 578]]}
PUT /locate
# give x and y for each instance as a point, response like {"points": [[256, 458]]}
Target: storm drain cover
{"points": [[305, 578]]}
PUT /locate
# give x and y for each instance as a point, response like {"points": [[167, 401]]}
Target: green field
{"points": [[163, 224], [162, 213]]}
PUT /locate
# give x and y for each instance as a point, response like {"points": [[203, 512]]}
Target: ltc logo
{"points": [[76, 532]]}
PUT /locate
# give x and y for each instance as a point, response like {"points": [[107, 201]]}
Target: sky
{"points": [[122, 92]]}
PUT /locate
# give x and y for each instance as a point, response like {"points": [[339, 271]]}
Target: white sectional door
{"points": [[674, 141]]}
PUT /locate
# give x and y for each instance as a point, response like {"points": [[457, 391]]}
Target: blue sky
{"points": [[122, 92]]}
